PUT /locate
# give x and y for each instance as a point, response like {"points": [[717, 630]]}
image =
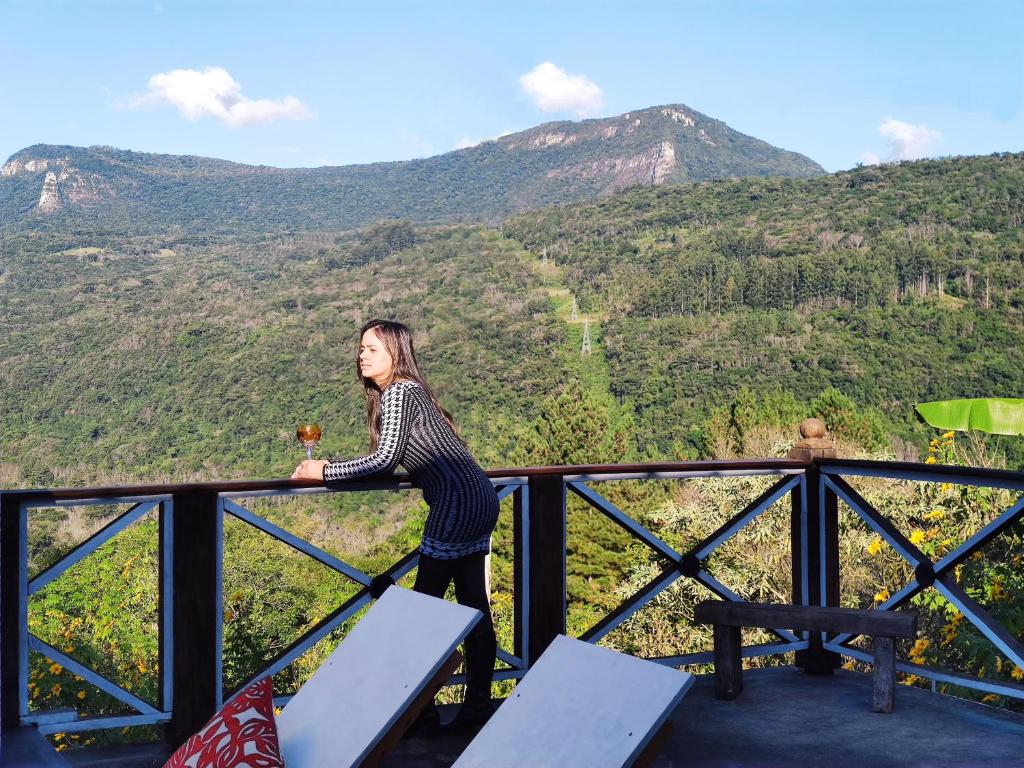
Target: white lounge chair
{"points": [[357, 705], [580, 705]]}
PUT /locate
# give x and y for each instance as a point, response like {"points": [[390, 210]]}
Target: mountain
{"points": [[47, 187]]}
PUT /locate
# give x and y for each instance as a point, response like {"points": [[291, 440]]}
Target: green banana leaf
{"points": [[995, 415]]}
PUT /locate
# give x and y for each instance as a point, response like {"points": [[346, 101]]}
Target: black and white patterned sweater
{"points": [[413, 433]]}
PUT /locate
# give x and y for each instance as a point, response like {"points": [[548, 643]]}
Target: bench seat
{"points": [[728, 617]]}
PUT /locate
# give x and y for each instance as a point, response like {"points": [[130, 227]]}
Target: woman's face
{"points": [[374, 361]]}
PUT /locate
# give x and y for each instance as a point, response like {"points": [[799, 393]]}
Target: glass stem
{"points": [[309, 451]]}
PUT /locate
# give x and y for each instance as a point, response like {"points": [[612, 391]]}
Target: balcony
{"points": [[784, 716]]}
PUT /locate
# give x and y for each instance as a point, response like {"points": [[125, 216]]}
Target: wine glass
{"points": [[309, 436]]}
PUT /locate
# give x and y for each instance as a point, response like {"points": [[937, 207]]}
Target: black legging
{"points": [[432, 578]]}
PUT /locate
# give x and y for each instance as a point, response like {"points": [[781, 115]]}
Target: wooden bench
{"points": [[728, 617]]}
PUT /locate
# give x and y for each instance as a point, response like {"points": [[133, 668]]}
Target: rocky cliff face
{"points": [[648, 168], [49, 198], [60, 182], [14, 167]]}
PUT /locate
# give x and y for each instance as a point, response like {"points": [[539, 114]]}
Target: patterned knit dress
{"points": [[413, 433]]}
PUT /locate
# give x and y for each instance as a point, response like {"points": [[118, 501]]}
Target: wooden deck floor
{"points": [[786, 718], [783, 718]]}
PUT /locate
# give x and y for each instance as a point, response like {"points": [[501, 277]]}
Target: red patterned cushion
{"points": [[242, 735]]}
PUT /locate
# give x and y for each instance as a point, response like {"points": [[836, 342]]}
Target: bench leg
{"points": [[728, 664], [884, 693]]}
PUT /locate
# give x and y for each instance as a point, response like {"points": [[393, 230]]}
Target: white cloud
{"points": [[906, 141], [870, 158], [555, 90], [214, 93]]}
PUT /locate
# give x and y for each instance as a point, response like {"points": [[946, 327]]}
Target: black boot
{"points": [[474, 712]]}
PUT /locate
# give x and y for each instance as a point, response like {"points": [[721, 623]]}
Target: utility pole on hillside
{"points": [[585, 346], [575, 314]]}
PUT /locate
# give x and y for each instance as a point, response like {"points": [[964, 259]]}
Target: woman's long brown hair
{"points": [[397, 340]]}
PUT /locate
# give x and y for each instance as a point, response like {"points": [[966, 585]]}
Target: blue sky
{"points": [[334, 83]]}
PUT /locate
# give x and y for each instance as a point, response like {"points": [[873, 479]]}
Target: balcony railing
{"points": [[191, 552]]}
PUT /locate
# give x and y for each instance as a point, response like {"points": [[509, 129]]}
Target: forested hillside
{"points": [[894, 284], [162, 358]]}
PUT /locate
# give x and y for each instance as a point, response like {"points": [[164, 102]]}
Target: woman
{"points": [[409, 427]]}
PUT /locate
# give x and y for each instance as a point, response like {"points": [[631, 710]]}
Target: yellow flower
{"points": [[935, 514], [949, 434], [917, 536], [930, 460], [1018, 673], [920, 646], [56, 669], [875, 546], [81, 695], [142, 667], [951, 630], [946, 487], [882, 595], [56, 689], [989, 698], [996, 591]]}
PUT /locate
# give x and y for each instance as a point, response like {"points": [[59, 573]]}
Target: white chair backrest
{"points": [[579, 705], [364, 686]]}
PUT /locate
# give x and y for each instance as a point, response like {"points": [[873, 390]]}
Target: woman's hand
{"points": [[310, 469]]}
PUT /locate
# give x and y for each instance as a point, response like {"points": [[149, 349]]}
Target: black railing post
{"points": [[196, 541], [545, 515], [822, 530], [13, 551], [520, 580]]}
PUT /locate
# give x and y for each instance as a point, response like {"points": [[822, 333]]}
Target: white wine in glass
{"points": [[309, 436]]}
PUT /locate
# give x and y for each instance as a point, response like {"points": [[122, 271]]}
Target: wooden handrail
{"points": [[1000, 477], [393, 481]]}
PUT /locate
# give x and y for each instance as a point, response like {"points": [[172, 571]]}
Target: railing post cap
{"points": [[813, 444], [812, 428]]}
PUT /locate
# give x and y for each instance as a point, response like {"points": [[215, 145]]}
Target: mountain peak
{"points": [[556, 162]]}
